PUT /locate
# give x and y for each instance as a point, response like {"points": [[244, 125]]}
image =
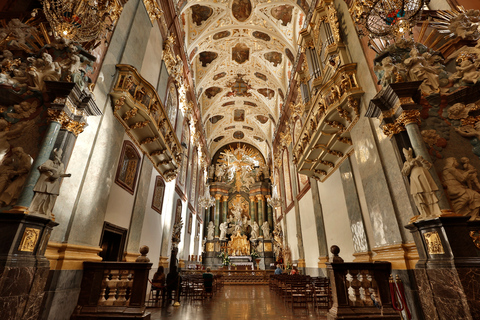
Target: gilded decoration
{"points": [[475, 235], [66, 122], [324, 141], [210, 247], [433, 242], [146, 121], [29, 240], [407, 117], [153, 9]]}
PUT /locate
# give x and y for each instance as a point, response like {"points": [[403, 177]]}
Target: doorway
{"points": [[112, 242]]}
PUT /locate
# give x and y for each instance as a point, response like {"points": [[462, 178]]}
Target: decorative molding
{"points": [[322, 261], [402, 256], [363, 256], [65, 256], [139, 109]]}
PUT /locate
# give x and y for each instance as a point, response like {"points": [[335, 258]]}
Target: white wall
{"points": [[337, 224], [152, 60], [120, 201], [292, 233], [309, 230]]}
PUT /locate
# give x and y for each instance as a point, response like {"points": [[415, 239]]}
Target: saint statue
{"points": [[266, 231], [223, 230], [210, 230], [18, 168], [47, 187], [254, 232], [422, 185]]}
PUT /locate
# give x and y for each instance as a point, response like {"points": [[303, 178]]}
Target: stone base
{"points": [[23, 266], [447, 294]]}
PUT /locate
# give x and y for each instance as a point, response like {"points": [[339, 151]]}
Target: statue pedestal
{"points": [[265, 251], [210, 255], [23, 266], [448, 271]]}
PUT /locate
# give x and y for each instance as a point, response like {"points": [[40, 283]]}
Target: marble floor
{"points": [[236, 302]]}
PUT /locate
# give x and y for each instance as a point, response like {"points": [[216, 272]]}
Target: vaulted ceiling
{"points": [[242, 53]]}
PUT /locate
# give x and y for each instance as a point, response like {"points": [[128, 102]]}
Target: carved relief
{"points": [[433, 242], [29, 240]]}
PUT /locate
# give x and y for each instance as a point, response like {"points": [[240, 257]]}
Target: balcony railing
{"points": [[113, 289], [325, 138], [139, 109]]}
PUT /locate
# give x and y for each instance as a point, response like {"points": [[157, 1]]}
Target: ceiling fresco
{"points": [[242, 53]]}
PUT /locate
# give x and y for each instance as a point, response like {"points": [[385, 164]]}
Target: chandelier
{"points": [[81, 20], [275, 201], [206, 201], [387, 18]]}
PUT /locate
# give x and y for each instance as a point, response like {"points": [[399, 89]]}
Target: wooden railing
{"points": [[360, 290], [113, 289], [239, 276]]}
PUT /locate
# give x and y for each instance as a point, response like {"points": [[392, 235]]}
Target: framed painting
{"points": [[128, 166], [158, 193]]}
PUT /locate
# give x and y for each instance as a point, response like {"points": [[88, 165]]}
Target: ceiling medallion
{"points": [[240, 53], [241, 9], [239, 87]]}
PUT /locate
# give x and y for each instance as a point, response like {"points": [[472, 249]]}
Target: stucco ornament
{"points": [[422, 185], [210, 230], [459, 110], [464, 200], [47, 187]]}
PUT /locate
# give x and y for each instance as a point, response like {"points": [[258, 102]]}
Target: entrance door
{"points": [[112, 242]]}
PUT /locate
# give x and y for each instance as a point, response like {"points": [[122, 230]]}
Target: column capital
{"points": [[268, 196], [252, 198], [218, 196], [260, 197], [225, 198]]}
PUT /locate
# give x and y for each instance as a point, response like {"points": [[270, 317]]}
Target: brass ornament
{"points": [[433, 242], [475, 235], [29, 240]]}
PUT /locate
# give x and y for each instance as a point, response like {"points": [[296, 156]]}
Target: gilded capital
{"points": [[252, 198], [218, 197], [409, 116], [260, 197], [225, 198], [65, 121]]}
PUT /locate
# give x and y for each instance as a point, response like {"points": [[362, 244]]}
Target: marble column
{"points": [[253, 208], [46, 148], [319, 223], [224, 208], [354, 210], [269, 213], [217, 215], [261, 205], [207, 221], [419, 148]]}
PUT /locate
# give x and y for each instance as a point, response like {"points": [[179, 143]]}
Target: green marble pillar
{"points": [[26, 196], [252, 208], [217, 215], [269, 213], [224, 208], [207, 221], [261, 205]]}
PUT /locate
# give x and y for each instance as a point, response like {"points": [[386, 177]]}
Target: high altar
{"points": [[240, 223]]}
